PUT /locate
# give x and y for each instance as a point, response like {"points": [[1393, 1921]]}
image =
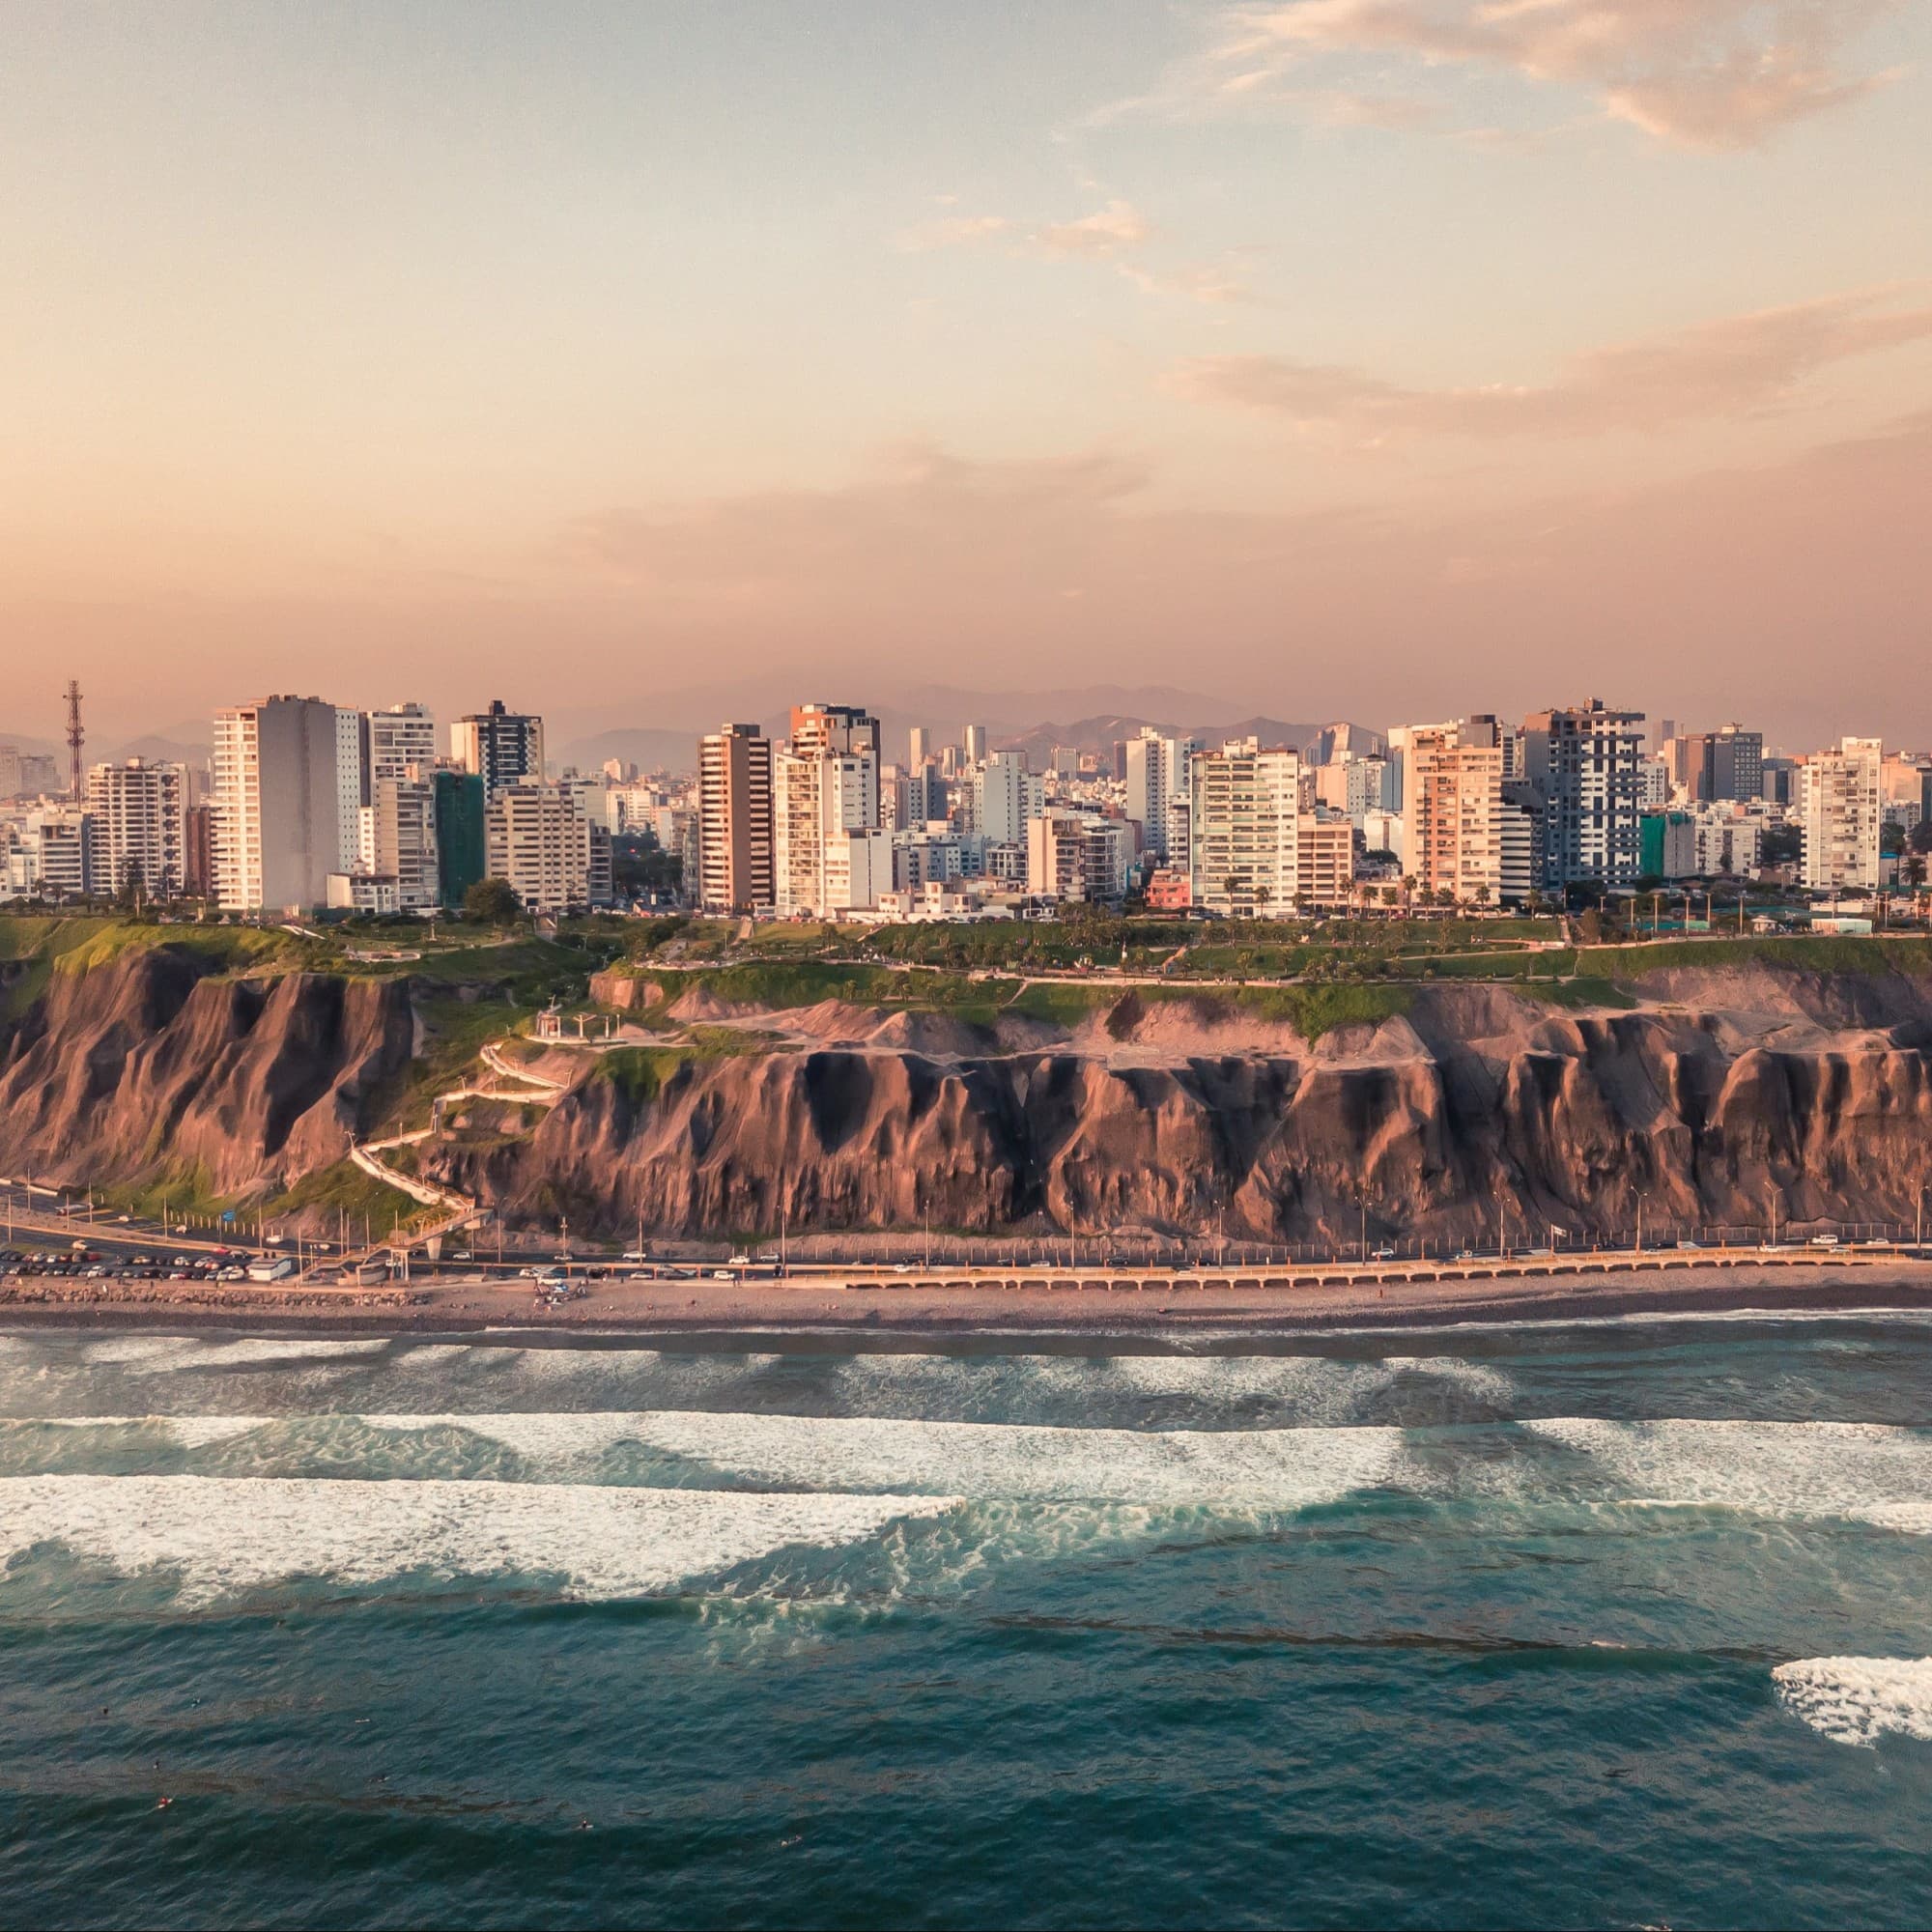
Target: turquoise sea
{"points": [[1613, 1623]]}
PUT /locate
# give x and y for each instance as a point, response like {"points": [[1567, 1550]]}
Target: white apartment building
{"points": [[858, 870], [363, 893], [933, 852], [819, 798], [1729, 838], [399, 840], [1001, 795], [542, 847], [1516, 841], [1839, 810], [286, 802], [1382, 831], [52, 850], [1452, 809], [1245, 819], [140, 817], [1157, 773], [402, 737]]}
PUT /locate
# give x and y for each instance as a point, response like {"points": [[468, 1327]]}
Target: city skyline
{"points": [[1367, 360]]}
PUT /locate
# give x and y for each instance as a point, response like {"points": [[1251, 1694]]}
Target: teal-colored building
{"points": [[1666, 846], [459, 834]]}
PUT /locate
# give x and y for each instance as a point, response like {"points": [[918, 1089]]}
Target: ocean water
{"points": [[1600, 1624]]}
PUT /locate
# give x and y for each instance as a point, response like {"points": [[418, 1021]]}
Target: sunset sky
{"points": [[1369, 358]]}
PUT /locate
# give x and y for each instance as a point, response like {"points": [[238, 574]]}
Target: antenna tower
{"points": [[76, 736]]}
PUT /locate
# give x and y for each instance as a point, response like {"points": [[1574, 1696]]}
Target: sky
{"points": [[1373, 358]]}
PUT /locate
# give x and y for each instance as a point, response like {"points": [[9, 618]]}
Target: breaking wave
{"points": [[1857, 1701], [222, 1537], [1863, 1472]]}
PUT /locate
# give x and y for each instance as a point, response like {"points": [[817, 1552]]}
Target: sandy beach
{"points": [[995, 1304]]}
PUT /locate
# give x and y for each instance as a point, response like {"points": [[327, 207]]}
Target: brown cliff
{"points": [[158, 1065], [1718, 1095]]}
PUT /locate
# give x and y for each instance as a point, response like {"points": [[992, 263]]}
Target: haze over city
{"points": [[1343, 358]]}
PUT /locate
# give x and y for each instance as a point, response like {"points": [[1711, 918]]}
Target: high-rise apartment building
{"points": [[1078, 857], [976, 744], [286, 784], [399, 840], [461, 842], [540, 844], [1582, 764], [1244, 823], [834, 728], [1003, 795], [140, 818], [1452, 805], [734, 813], [50, 851], [398, 743], [1156, 774], [819, 800], [502, 747], [1839, 812], [1324, 863], [929, 796]]}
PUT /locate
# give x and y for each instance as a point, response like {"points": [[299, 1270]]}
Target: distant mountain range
{"points": [[1088, 719]]}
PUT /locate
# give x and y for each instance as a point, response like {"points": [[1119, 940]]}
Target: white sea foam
{"points": [[1857, 1701], [1312, 1388], [223, 1536], [1861, 1471], [1283, 1468]]}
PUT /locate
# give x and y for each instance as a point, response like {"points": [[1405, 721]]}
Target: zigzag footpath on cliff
{"points": [[1720, 1086]]}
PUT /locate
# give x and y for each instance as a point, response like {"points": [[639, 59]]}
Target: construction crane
{"points": [[76, 736]]}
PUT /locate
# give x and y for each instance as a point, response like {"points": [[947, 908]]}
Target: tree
{"points": [[1921, 840], [492, 902]]}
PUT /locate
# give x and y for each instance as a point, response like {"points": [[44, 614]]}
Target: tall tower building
{"points": [[1583, 765], [1156, 774], [502, 747], [140, 817], [1839, 812], [734, 820], [1246, 821], [283, 792], [1452, 808]]}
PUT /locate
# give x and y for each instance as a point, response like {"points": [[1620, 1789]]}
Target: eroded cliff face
{"points": [[1718, 1093], [1480, 1103], [156, 1065]]}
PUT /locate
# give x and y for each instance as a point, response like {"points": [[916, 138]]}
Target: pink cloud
{"points": [[1737, 366], [1696, 74]]}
